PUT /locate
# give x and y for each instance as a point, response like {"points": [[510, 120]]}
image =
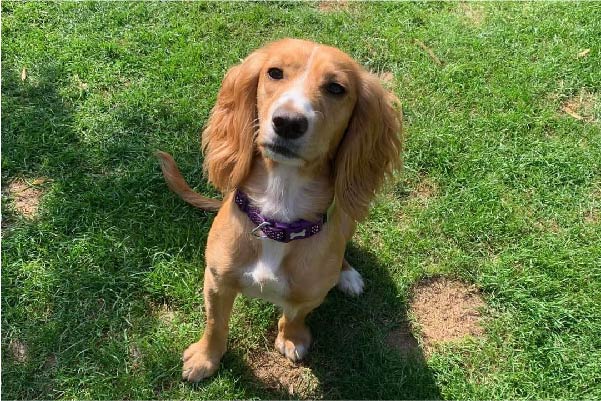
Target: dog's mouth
{"points": [[280, 150]]}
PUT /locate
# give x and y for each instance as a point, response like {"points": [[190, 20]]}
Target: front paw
{"points": [[295, 348], [350, 282], [198, 363]]}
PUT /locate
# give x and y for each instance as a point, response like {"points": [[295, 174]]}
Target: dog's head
{"points": [[299, 103]]}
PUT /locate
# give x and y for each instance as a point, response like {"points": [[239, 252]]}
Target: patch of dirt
{"points": [[421, 191], [585, 106], [592, 217], [333, 5], [25, 195], [274, 371], [554, 226], [402, 340], [426, 189], [446, 310], [18, 350], [164, 313], [473, 13], [550, 225]]}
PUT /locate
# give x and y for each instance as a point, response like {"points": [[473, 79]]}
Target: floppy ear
{"points": [[228, 139], [371, 147]]}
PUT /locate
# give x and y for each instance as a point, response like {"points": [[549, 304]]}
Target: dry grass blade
{"points": [[568, 110], [584, 53], [429, 52]]}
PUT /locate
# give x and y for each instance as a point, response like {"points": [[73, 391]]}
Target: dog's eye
{"points": [[335, 88], [275, 73]]}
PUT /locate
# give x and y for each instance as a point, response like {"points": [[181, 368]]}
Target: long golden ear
{"points": [[228, 139], [371, 147]]}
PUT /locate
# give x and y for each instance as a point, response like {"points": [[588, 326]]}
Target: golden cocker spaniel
{"points": [[300, 140]]}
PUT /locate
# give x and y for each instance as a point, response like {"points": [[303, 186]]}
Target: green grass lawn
{"points": [[101, 291]]}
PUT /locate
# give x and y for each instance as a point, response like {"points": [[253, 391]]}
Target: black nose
{"points": [[290, 125]]}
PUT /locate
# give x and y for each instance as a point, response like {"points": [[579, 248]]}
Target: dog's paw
{"points": [[198, 364], [350, 282], [293, 350]]}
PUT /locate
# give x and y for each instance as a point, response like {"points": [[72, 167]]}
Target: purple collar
{"points": [[275, 230]]}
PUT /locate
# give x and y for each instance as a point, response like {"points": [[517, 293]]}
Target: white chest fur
{"points": [[283, 197], [265, 278]]}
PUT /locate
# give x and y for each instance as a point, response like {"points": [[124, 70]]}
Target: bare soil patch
{"points": [[472, 12], [333, 5], [420, 190], [402, 340], [25, 195], [276, 372], [549, 225], [446, 310], [18, 350], [592, 216], [425, 189], [164, 313], [584, 106]]}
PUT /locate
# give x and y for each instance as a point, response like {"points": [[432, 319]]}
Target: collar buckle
{"points": [[259, 227]]}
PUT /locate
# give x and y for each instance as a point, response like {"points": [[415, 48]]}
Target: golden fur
{"points": [[352, 143]]}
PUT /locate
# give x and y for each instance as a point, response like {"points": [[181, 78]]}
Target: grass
{"points": [[102, 289]]}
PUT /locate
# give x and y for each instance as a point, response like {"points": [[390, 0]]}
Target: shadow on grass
{"points": [[80, 282], [77, 281], [36, 133], [355, 354]]}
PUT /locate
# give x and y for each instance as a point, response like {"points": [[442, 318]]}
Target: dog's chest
{"points": [[266, 278], [282, 198]]}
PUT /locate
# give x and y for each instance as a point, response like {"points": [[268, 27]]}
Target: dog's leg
{"points": [[350, 281], [294, 337], [202, 358]]}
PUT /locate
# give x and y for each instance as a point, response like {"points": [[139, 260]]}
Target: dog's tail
{"points": [[178, 184]]}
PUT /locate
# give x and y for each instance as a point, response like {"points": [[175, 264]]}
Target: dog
{"points": [[299, 141]]}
